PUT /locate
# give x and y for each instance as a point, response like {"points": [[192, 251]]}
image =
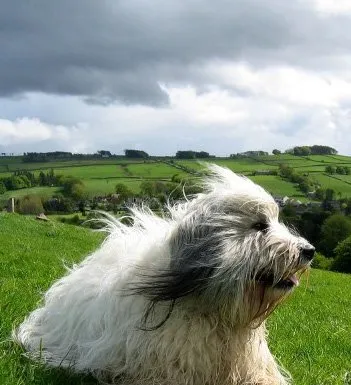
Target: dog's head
{"points": [[229, 253]]}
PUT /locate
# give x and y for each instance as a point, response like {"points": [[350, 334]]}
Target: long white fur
{"points": [[89, 324]]}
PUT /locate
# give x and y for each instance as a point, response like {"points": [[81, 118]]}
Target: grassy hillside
{"points": [[310, 333], [32, 256], [101, 176]]}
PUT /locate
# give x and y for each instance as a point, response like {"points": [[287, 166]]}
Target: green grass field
{"points": [[309, 334], [277, 186], [335, 183], [45, 192], [101, 176]]}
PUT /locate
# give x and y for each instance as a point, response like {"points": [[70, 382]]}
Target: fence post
{"points": [[11, 205]]}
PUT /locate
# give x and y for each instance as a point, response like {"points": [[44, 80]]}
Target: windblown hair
{"points": [[179, 299]]}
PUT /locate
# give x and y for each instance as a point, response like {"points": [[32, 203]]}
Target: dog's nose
{"points": [[308, 252]]}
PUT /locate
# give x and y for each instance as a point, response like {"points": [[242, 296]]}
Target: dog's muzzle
{"points": [[292, 279], [307, 253]]}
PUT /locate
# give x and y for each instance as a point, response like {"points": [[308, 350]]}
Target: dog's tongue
{"points": [[293, 278]]}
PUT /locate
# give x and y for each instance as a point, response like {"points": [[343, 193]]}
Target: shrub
{"points": [[322, 262], [30, 204], [73, 187], [123, 191], [75, 220], [342, 261], [334, 230], [59, 205], [2, 188]]}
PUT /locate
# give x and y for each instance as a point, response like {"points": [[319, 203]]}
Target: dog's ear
{"points": [[194, 247]]}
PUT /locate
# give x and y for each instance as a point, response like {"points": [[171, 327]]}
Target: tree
{"points": [[42, 179], [104, 153], [330, 169], [16, 183], [74, 188], [323, 150], [302, 151], [123, 192], [342, 261], [329, 194], [305, 186], [340, 170], [78, 191], [59, 204], [285, 171], [2, 188], [188, 154], [334, 230], [135, 154], [202, 154], [147, 188], [320, 194], [276, 152]]}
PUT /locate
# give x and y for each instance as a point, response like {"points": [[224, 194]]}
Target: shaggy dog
{"points": [[178, 300]]}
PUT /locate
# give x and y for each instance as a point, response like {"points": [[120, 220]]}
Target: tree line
{"points": [[329, 230], [31, 157], [311, 150]]}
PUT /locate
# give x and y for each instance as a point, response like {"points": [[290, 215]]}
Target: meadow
{"points": [[101, 175], [309, 334]]}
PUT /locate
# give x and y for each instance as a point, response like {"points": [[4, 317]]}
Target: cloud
{"points": [[107, 51], [29, 130], [262, 116], [331, 7], [217, 76]]}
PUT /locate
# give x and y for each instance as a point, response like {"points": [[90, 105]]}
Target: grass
{"points": [[45, 192], [10, 164], [277, 186], [334, 182], [309, 334], [31, 258], [107, 186], [101, 176]]}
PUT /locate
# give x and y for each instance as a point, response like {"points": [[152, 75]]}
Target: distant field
{"points": [[237, 165], [6, 165], [277, 186], [338, 185], [107, 186], [344, 178], [245, 165], [309, 334], [87, 172], [154, 171], [100, 176]]}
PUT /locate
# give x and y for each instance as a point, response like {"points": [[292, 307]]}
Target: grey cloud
{"points": [[119, 50]]}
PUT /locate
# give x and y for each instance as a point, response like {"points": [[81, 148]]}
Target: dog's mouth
{"points": [[287, 283]]}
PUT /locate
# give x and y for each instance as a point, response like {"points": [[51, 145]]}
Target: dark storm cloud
{"points": [[119, 50]]}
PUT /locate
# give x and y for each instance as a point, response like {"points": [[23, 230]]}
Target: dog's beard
{"points": [[267, 292]]}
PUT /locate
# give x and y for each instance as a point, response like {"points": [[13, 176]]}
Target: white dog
{"points": [[179, 300]]}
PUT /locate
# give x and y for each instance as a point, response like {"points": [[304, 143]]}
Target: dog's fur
{"points": [[179, 300]]}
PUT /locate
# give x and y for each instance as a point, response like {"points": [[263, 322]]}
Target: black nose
{"points": [[308, 252]]}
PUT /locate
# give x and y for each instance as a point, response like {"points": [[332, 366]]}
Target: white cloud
{"points": [[30, 130], [294, 86], [333, 7], [262, 111]]}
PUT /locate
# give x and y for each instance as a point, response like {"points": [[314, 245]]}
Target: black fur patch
{"points": [[194, 259]]}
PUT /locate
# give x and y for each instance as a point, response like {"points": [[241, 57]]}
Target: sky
{"points": [[221, 76]]}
